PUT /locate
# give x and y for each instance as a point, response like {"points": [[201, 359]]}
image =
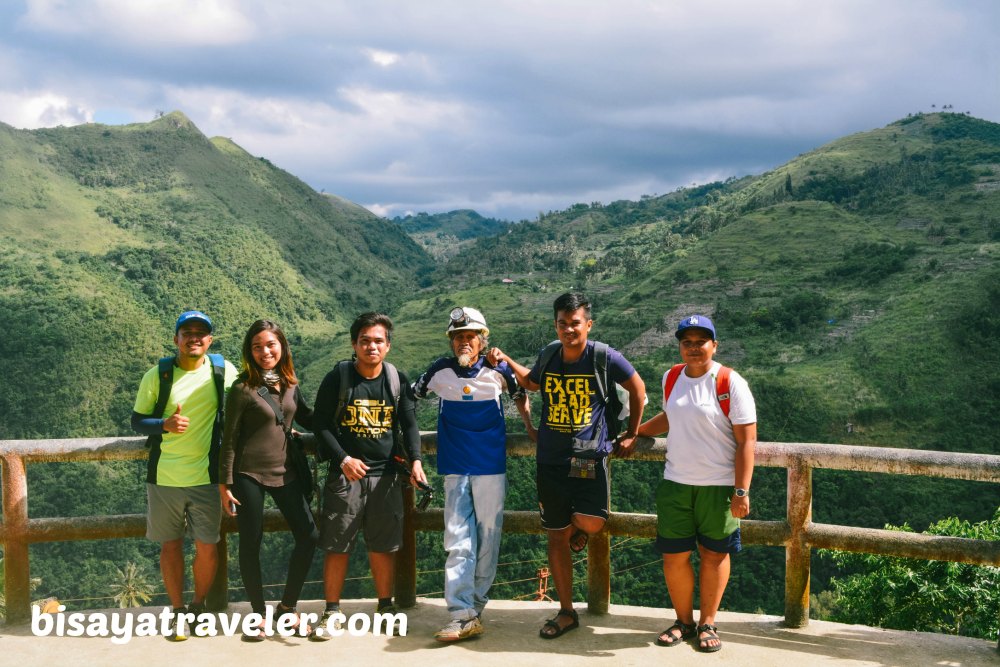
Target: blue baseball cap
{"points": [[193, 316], [695, 322]]}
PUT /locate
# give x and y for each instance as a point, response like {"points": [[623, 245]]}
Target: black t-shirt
{"points": [[365, 427]]}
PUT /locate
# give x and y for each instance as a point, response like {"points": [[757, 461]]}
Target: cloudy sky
{"points": [[510, 107]]}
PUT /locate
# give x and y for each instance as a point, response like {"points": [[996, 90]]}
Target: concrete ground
{"points": [[623, 637]]}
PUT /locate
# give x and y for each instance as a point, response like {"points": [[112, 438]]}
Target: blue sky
{"points": [[508, 107]]}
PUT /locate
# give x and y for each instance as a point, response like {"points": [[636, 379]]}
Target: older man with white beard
{"points": [[472, 457]]}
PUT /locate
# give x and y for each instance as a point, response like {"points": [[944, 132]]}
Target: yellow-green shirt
{"points": [[184, 456]]}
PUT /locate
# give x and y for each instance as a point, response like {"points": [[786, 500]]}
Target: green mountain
{"points": [[107, 233], [445, 234], [856, 284]]}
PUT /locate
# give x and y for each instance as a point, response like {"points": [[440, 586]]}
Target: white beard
{"points": [[465, 360]]}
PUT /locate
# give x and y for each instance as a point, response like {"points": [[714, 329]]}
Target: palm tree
{"points": [[131, 588]]}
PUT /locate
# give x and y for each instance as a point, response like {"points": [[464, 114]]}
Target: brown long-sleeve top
{"points": [[253, 443]]}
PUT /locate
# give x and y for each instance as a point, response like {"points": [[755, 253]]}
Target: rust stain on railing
{"points": [[797, 534]]}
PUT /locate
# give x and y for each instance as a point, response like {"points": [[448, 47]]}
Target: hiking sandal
{"points": [[709, 630], [668, 638], [553, 623]]}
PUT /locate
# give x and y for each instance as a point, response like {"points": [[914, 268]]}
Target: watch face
{"points": [[740, 493]]}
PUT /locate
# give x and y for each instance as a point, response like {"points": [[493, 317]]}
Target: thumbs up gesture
{"points": [[176, 423]]}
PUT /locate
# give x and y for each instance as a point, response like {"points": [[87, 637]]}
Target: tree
{"points": [[130, 586], [925, 595]]}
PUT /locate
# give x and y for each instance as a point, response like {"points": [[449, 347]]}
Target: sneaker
{"points": [[197, 608], [387, 609], [321, 631], [457, 630], [172, 634]]}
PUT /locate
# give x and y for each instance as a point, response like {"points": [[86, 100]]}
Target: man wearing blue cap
{"points": [[710, 418], [179, 406]]}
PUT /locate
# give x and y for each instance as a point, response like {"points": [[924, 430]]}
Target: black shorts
{"points": [[561, 496], [373, 504]]}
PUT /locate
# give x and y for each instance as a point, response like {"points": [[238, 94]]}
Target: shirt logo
{"points": [[467, 393]]}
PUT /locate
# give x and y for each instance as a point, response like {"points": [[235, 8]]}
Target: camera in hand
{"points": [[426, 496], [426, 490]]}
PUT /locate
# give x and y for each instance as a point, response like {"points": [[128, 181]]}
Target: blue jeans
{"points": [[473, 519]]}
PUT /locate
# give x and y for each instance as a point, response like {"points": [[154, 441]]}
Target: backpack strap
{"points": [[722, 389], [343, 391], [165, 373], [219, 377], [215, 447], [548, 354], [721, 385], [601, 370], [393, 375], [672, 375]]}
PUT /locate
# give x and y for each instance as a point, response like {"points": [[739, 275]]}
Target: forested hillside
{"points": [[856, 287], [445, 234]]}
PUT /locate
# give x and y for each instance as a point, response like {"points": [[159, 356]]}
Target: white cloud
{"points": [[380, 210], [42, 109], [144, 22], [382, 58]]}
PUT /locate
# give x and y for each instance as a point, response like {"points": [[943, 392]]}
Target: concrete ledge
{"points": [[623, 637]]}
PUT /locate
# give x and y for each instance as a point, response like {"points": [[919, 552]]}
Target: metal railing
{"points": [[797, 533]]}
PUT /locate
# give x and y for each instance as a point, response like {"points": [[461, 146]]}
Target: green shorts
{"points": [[686, 515]]}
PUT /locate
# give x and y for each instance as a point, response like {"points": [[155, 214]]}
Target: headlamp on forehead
{"points": [[463, 319]]}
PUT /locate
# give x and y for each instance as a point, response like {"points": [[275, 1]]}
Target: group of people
{"points": [[222, 439]]}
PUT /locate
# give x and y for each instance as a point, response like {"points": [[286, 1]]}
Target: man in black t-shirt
{"points": [[573, 440], [363, 491]]}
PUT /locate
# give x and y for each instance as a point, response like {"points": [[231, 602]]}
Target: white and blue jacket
{"points": [[472, 436]]}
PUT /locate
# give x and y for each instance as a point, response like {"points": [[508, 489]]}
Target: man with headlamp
{"points": [[472, 458]]}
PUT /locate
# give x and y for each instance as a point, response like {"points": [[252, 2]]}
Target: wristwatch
{"points": [[741, 493]]}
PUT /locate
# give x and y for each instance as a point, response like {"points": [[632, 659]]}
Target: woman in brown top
{"points": [[255, 461]]}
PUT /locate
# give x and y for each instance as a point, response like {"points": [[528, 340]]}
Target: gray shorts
{"points": [[372, 504], [172, 508]]}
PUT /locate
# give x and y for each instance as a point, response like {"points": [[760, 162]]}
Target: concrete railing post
{"points": [[16, 569], [406, 558], [599, 567], [797, 550], [599, 573]]}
